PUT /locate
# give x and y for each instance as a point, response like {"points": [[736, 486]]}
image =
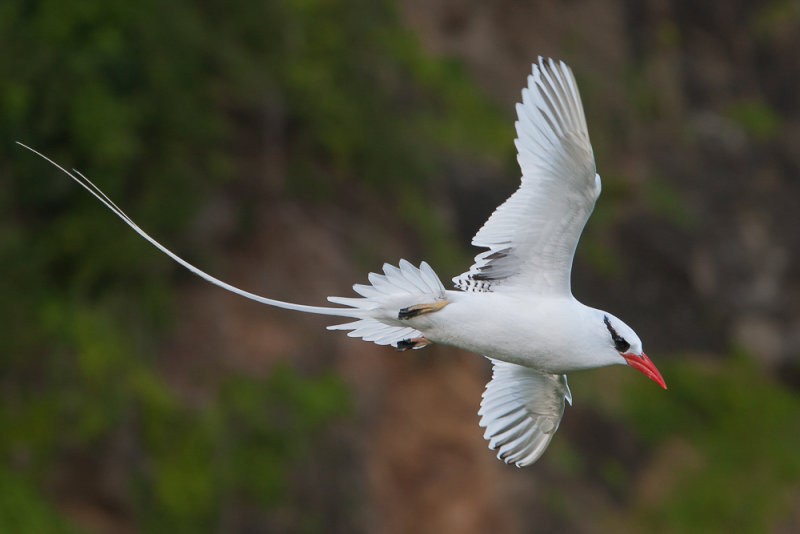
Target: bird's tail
{"points": [[382, 301], [376, 313]]}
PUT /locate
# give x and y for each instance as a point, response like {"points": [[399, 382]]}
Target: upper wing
{"points": [[521, 410], [533, 235]]}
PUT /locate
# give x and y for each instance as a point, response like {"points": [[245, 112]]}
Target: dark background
{"points": [[290, 147]]}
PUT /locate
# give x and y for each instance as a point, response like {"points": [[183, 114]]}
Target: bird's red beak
{"points": [[642, 363]]}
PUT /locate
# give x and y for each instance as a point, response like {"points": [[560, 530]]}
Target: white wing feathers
{"points": [[521, 410], [533, 235]]}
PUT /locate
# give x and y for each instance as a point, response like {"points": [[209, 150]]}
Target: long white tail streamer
{"points": [[99, 195]]}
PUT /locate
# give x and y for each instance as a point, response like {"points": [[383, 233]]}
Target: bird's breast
{"points": [[531, 331]]}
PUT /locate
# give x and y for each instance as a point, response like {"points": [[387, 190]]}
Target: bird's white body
{"points": [[514, 305], [548, 334]]}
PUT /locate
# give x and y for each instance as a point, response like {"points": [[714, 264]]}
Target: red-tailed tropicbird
{"points": [[515, 304]]}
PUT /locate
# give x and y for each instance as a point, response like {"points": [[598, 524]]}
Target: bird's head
{"points": [[628, 346]]}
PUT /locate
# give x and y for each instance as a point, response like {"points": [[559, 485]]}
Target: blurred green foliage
{"points": [[144, 97], [666, 201], [23, 509], [756, 118], [739, 435], [716, 452], [240, 447], [148, 97]]}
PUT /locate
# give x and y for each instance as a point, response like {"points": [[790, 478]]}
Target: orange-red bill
{"points": [[642, 363]]}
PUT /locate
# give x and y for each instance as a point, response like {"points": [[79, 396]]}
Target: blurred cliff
{"points": [[290, 147]]}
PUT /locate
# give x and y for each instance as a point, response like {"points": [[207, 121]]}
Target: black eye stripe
{"points": [[619, 342]]}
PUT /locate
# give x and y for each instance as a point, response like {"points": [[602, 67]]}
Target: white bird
{"points": [[514, 305]]}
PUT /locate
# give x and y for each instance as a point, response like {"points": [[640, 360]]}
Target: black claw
{"points": [[405, 344], [407, 313]]}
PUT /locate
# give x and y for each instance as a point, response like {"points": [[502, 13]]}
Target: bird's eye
{"points": [[619, 342]]}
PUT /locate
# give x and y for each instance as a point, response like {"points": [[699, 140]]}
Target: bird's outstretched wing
{"points": [[531, 238], [521, 410]]}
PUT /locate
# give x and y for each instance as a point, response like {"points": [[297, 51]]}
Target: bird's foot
{"points": [[414, 343], [420, 309]]}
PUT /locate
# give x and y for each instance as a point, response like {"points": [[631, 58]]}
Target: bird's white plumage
{"points": [[516, 305], [521, 410], [531, 238]]}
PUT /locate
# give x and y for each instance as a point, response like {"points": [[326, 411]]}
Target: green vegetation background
{"points": [[144, 97]]}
